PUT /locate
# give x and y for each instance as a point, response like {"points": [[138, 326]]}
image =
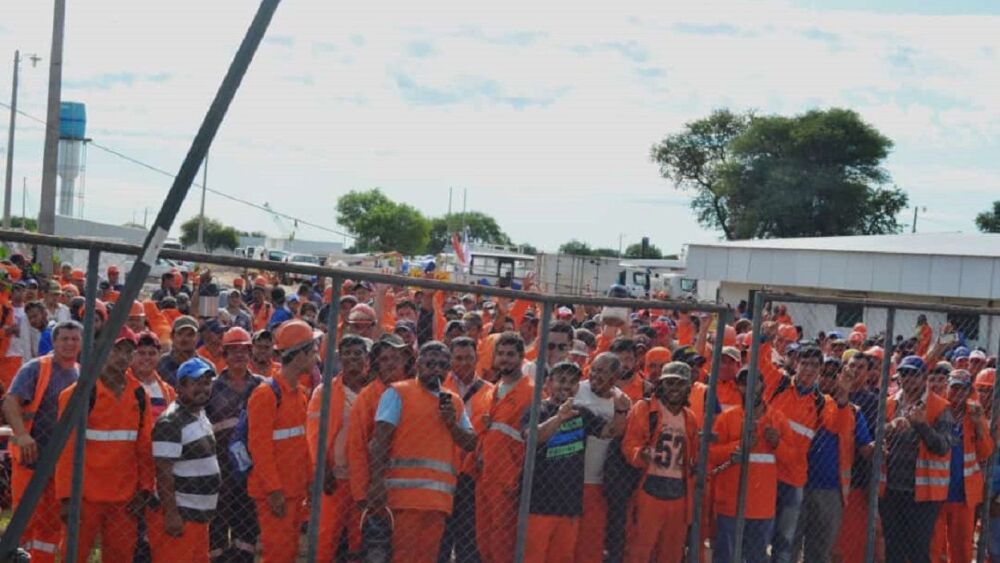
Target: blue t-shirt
{"points": [[390, 407], [824, 454], [45, 341], [956, 485], [48, 410], [280, 315]]}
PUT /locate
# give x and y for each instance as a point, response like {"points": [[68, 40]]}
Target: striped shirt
{"points": [[185, 437]]}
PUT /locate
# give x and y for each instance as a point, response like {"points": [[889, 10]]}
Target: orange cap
{"points": [[876, 351], [293, 334], [658, 354], [729, 338], [259, 281], [236, 336], [237, 282], [987, 376], [71, 289], [860, 327], [788, 332], [136, 310], [77, 275], [856, 338]]}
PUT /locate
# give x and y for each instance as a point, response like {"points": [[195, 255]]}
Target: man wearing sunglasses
{"points": [[917, 464], [560, 343]]}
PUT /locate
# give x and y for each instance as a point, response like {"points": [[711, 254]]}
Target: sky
{"points": [[543, 113]]}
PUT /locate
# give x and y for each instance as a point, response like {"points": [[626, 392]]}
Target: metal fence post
{"points": [[984, 517], [316, 495], [748, 423], [527, 477], [80, 443], [877, 458], [700, 474]]}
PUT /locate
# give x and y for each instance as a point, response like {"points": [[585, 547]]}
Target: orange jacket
{"points": [[477, 407], [6, 320], [421, 473], [484, 352], [165, 389], [634, 387], [974, 451], [770, 374], [261, 314], [360, 426], [277, 437], [119, 454], [501, 448], [157, 321], [638, 437], [924, 336], [334, 424], [762, 485], [218, 361], [801, 412], [933, 472]]}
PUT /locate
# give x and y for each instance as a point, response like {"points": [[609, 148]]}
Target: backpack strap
{"points": [[41, 384], [654, 417], [140, 398], [784, 385], [476, 386], [276, 388]]}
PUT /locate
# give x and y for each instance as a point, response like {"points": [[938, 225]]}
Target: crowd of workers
{"points": [[202, 434]]}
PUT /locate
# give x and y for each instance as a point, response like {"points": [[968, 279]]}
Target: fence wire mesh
{"points": [[425, 430]]}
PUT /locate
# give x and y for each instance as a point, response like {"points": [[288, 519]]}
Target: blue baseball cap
{"points": [[194, 368], [915, 363], [835, 335], [960, 352]]}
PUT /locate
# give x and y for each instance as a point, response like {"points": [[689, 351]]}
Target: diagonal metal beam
{"points": [[150, 249]]}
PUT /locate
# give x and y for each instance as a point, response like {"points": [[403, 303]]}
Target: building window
{"points": [[965, 323], [849, 315]]}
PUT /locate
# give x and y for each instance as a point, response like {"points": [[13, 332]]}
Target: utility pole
{"points": [[24, 204], [621, 236], [8, 187], [915, 209], [47, 210], [201, 217]]}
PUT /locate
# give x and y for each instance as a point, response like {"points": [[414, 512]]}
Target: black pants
{"points": [[232, 534], [908, 527], [460, 528]]}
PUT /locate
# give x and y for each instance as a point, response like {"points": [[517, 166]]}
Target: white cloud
{"points": [[545, 112]]}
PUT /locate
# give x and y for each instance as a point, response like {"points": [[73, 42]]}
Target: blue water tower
{"points": [[72, 156]]}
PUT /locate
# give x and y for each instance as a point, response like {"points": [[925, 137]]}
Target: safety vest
{"points": [[845, 456], [422, 469], [41, 384], [261, 315], [933, 472], [972, 453]]}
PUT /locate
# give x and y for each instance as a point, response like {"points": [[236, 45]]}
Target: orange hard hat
{"points": [[259, 281], [72, 289], [729, 338], [293, 334], [658, 354], [136, 310], [860, 327], [856, 338], [788, 332], [987, 376], [237, 282], [236, 336], [77, 275], [13, 272], [875, 351]]}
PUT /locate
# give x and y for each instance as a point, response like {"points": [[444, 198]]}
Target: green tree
{"points": [[635, 251], [815, 174], [526, 248], [380, 224], [605, 252], [217, 235], [577, 248], [989, 221], [20, 222], [483, 229]]}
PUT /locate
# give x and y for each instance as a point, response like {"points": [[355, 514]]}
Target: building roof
{"points": [[931, 264], [934, 244]]}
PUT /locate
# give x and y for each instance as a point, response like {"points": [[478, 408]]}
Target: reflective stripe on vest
{"points": [[420, 463], [286, 433], [970, 470], [112, 435], [506, 429], [761, 458], [969, 457], [802, 430], [427, 484], [932, 464], [932, 481]]}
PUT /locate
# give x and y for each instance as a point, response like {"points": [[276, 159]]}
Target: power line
{"points": [[230, 197]]}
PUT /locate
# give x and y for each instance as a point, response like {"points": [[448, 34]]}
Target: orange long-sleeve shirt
{"points": [[801, 412], [477, 408], [277, 441], [334, 424], [360, 425], [501, 448], [119, 446], [762, 485]]}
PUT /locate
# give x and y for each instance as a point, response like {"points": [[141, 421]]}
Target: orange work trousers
{"points": [[953, 533], [191, 546], [593, 522], [8, 369], [416, 536], [279, 537], [496, 522], [338, 513], [118, 529], [551, 539], [41, 536], [850, 546], [658, 526]]}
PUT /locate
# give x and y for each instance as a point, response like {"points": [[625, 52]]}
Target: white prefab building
{"points": [[939, 268]]}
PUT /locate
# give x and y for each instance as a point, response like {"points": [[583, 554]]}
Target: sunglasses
{"points": [[439, 364], [560, 347]]}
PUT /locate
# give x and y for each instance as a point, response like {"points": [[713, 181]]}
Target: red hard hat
{"points": [[237, 282], [77, 275], [293, 334], [236, 336], [126, 335]]}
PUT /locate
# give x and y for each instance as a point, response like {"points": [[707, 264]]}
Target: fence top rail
{"points": [[8, 236], [880, 303]]}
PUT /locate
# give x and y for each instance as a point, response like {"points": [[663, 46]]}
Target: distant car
{"points": [[277, 255], [162, 266], [304, 259]]}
